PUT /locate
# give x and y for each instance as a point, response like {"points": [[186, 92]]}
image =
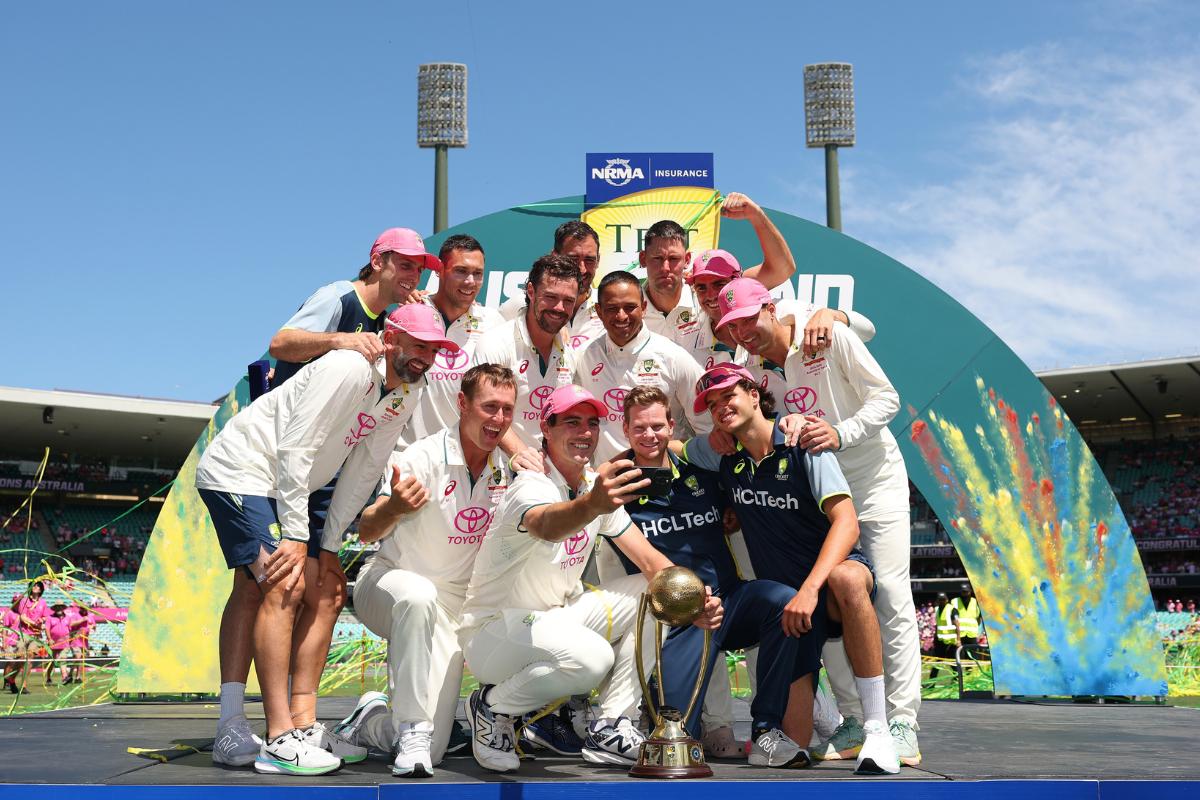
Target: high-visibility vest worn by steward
{"points": [[968, 617], [946, 633]]}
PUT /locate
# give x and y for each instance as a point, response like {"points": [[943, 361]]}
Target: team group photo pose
{"points": [[521, 473]]}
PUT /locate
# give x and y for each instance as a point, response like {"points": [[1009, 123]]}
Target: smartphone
{"points": [[660, 481]]}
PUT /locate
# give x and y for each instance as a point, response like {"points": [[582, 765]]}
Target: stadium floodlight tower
{"points": [[829, 123], [441, 124]]}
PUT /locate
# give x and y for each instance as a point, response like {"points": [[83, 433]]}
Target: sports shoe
{"points": [[460, 737], [369, 705], [318, 735], [577, 712], [845, 742], [553, 733], [492, 735], [235, 745], [878, 753], [618, 742], [413, 740], [826, 717], [904, 738], [773, 748], [290, 754], [720, 743]]}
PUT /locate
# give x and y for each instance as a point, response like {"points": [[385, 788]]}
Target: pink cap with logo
{"points": [[718, 376], [421, 322], [564, 398], [406, 242], [743, 297], [714, 264]]}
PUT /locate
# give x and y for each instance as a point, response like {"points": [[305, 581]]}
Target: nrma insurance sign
{"points": [[612, 175]]}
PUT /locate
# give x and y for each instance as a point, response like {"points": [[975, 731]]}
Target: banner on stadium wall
{"points": [[1039, 531]]}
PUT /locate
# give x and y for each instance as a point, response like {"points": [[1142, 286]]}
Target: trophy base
{"points": [[671, 758], [652, 771]]}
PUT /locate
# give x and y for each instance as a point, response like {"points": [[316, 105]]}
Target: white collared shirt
{"points": [[291, 441], [439, 541], [845, 385], [438, 406], [510, 346], [515, 569], [609, 372], [678, 322]]}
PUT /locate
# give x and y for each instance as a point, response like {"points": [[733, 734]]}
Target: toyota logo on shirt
{"points": [[576, 544], [451, 360], [800, 399], [539, 395], [615, 399], [472, 519]]}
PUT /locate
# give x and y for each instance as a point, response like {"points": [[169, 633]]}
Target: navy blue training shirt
{"points": [[778, 502], [686, 526]]}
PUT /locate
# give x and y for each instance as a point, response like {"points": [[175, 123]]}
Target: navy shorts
{"points": [[245, 523]]}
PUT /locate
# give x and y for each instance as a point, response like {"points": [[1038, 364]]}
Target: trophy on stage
{"points": [[676, 597]]}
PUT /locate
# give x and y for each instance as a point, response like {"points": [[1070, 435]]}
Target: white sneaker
{"points": [[413, 740], [369, 705], [493, 738], [878, 754], [291, 754], [318, 735], [774, 748], [235, 745], [617, 742]]}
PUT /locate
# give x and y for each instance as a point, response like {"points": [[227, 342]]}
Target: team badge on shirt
{"points": [[781, 472], [693, 484]]}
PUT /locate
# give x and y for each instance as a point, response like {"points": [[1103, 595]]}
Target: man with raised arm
{"points": [[339, 412], [848, 402], [435, 505], [801, 530], [531, 632]]}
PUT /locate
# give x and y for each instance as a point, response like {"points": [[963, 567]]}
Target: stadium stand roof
{"points": [[1157, 393], [88, 424]]}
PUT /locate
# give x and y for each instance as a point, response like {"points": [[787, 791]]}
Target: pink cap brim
{"points": [[739, 313], [700, 405], [600, 409]]}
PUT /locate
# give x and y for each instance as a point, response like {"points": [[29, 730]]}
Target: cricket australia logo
{"points": [[617, 172], [729, 297]]}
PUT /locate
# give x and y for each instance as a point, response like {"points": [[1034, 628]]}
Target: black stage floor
{"points": [[960, 740]]}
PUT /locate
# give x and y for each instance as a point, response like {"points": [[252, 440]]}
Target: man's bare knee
{"points": [[849, 582]]}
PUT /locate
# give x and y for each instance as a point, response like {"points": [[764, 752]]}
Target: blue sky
{"points": [[176, 178]]}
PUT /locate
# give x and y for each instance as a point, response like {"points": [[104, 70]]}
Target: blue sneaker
{"points": [[552, 733]]}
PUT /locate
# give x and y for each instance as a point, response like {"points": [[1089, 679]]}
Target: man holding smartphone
{"points": [[682, 517]]}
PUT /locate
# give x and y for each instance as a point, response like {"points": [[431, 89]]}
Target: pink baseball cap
{"points": [[564, 398], [714, 264], [742, 297], [406, 242], [717, 377], [421, 322]]}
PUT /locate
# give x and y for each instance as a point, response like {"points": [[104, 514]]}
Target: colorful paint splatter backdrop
{"points": [[1048, 551]]}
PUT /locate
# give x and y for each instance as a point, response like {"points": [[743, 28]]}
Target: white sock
{"points": [[233, 700], [870, 692]]}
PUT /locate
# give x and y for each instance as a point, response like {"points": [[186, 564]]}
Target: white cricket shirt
{"points": [[440, 540], [294, 439], [609, 372], [515, 569]]}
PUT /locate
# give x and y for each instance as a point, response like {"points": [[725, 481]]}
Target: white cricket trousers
{"points": [[425, 663], [886, 542], [534, 657]]}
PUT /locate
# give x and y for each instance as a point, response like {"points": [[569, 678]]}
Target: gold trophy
{"points": [[676, 597]]}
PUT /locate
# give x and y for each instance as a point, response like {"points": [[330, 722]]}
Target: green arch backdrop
{"points": [[1036, 524]]}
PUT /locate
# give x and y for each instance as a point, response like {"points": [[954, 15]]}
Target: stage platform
{"points": [[1005, 749]]}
